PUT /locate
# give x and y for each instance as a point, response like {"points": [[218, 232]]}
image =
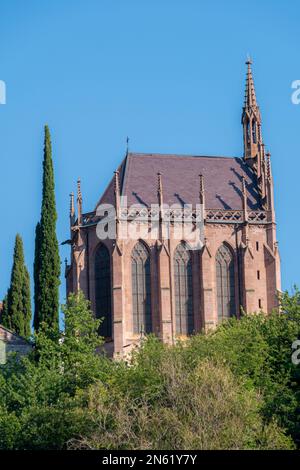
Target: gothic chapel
{"points": [[159, 285]]}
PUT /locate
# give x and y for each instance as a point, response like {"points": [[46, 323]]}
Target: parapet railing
{"points": [[214, 216]]}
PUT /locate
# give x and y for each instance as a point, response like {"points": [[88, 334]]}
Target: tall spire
{"points": [[250, 96], [251, 121], [253, 143]]}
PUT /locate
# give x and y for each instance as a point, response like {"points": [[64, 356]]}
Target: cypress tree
{"points": [[17, 312], [3, 313], [36, 270], [26, 303], [47, 261]]}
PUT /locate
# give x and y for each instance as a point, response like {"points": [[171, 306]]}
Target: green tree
{"points": [[17, 311], [47, 261], [36, 277], [163, 402], [3, 312], [232, 388], [258, 347], [42, 396]]}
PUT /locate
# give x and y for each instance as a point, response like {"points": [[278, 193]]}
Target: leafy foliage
{"points": [[43, 393], [198, 407], [258, 348], [233, 388]]}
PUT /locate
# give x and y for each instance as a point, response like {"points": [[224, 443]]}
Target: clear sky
{"points": [[168, 73]]}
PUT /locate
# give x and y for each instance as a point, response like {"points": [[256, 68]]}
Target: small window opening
{"points": [[254, 132]]}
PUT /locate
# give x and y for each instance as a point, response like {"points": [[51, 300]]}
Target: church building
{"points": [[161, 283]]}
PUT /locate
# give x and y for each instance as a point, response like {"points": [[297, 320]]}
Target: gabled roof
{"points": [[180, 181], [7, 334]]}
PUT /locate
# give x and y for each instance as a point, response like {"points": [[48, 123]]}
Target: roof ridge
{"points": [[141, 154]]}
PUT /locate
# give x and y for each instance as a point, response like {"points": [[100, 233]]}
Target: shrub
{"points": [[200, 407], [233, 388]]}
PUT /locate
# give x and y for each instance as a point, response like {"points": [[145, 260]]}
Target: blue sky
{"points": [[168, 73]]}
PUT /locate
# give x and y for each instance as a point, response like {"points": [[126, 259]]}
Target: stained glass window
{"points": [[141, 289], [103, 290], [225, 283]]}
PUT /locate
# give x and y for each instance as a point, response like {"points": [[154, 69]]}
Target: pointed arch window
{"points": [[225, 283], [141, 289], [183, 290], [254, 137], [103, 290], [248, 131]]}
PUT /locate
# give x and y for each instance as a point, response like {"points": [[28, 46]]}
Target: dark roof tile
{"points": [[180, 179]]}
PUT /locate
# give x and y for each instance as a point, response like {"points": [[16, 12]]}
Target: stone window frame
{"points": [[183, 290], [141, 289], [106, 328], [226, 289]]}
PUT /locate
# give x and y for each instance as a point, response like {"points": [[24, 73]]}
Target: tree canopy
{"points": [[232, 388]]}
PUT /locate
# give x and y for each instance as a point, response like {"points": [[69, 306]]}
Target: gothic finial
{"points": [[202, 195], [117, 182], [244, 193], [201, 189], [159, 188], [250, 96], [79, 195], [268, 166], [117, 191], [127, 145], [243, 184], [79, 201], [248, 61], [269, 187], [160, 203], [72, 209], [117, 201]]}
